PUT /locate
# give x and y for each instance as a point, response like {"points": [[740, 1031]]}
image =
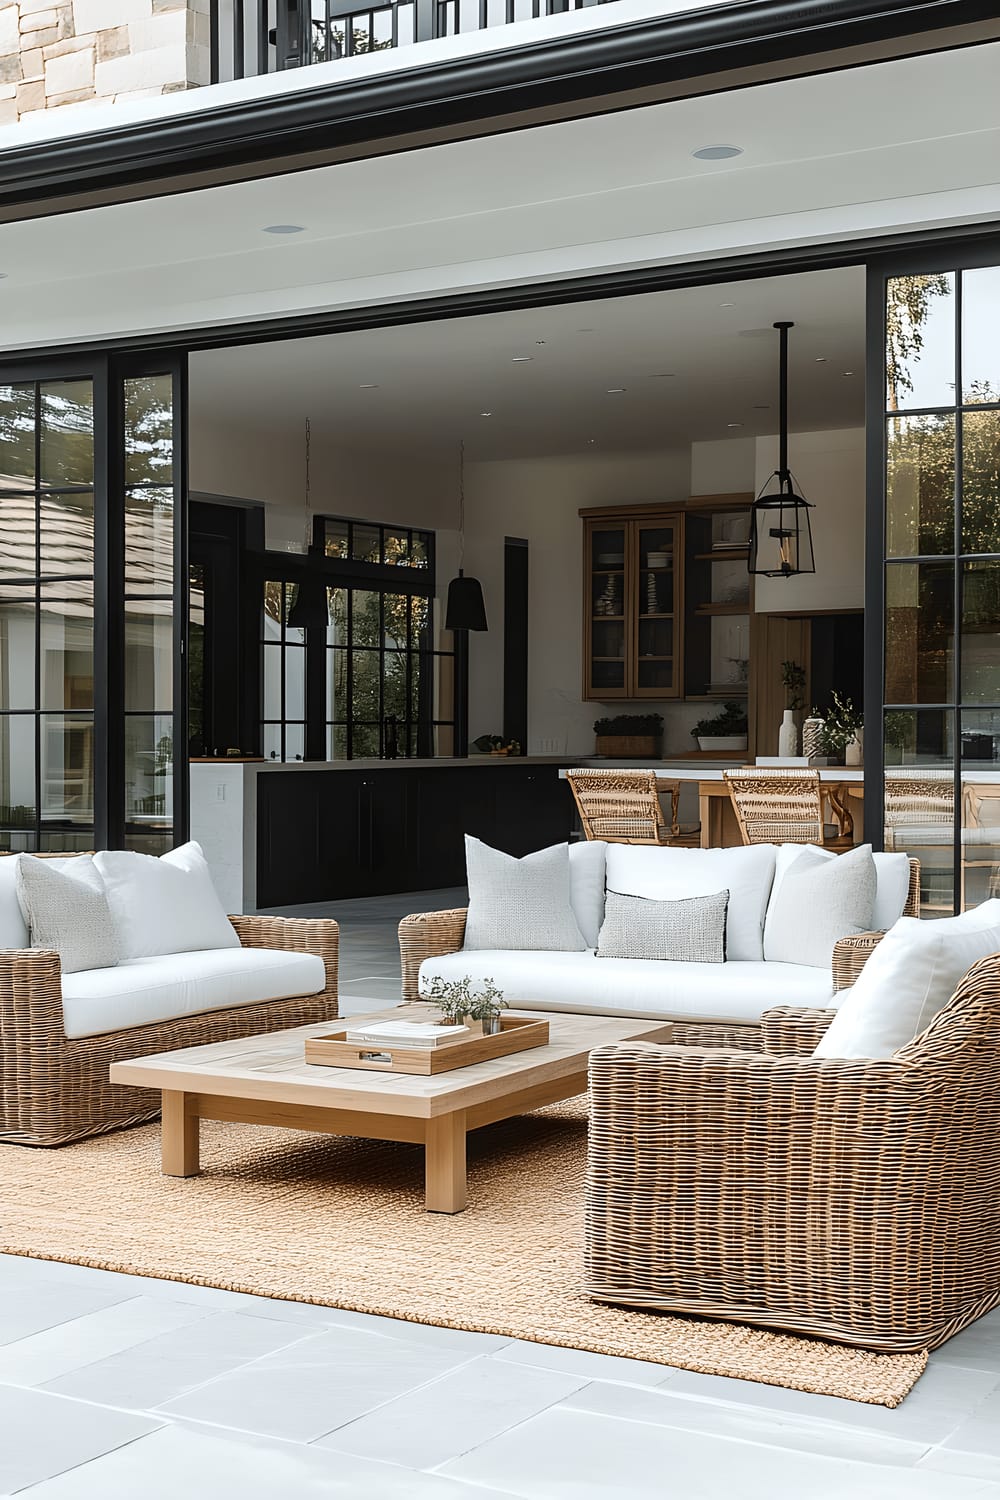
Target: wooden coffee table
{"points": [[264, 1080]]}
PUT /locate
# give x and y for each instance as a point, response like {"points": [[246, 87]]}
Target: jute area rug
{"points": [[341, 1222]]}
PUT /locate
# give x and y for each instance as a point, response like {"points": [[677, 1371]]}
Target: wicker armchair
{"points": [[54, 1089], [843, 1199], [775, 805], [623, 807]]}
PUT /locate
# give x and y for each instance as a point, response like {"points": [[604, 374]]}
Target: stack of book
{"points": [[405, 1033]]}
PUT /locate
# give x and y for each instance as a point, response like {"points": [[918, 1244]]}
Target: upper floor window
{"points": [[368, 542]]}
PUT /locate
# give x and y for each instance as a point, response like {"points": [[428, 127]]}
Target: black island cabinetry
{"points": [[337, 832]]}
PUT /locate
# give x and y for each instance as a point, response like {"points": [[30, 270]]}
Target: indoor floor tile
{"points": [[980, 1432], [481, 1400], [56, 1351], [586, 1457], [315, 1385], [42, 1435], [26, 1310], [977, 1347]]}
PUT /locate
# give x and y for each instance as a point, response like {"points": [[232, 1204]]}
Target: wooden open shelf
{"points": [[730, 554], [739, 608]]}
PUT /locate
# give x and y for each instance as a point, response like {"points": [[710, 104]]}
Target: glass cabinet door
{"points": [[656, 649], [608, 626]]}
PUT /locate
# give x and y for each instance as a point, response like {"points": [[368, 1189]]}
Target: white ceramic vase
{"points": [[788, 735], [854, 750]]}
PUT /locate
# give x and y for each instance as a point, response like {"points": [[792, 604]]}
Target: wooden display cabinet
{"points": [[633, 603]]}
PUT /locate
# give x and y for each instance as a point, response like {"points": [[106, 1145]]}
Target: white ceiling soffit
{"points": [[909, 144], [655, 371]]}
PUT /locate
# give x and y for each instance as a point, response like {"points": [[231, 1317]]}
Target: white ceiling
{"points": [[690, 367], [912, 143]]}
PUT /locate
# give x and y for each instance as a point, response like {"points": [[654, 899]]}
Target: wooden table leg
{"points": [[705, 817], [444, 1165], [179, 1136]]}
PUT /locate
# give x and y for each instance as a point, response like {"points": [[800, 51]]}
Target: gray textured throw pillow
{"points": [[691, 930], [818, 902], [67, 912], [520, 903]]}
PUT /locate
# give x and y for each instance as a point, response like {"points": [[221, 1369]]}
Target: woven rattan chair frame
{"points": [[623, 807], [780, 805], [55, 1089], [843, 1199]]}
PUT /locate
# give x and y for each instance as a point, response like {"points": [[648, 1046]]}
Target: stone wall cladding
{"points": [[60, 52]]}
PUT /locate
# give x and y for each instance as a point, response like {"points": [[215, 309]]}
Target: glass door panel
{"points": [[942, 582]]}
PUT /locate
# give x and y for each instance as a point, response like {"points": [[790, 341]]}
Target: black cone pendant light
{"points": [[466, 609], [780, 533]]}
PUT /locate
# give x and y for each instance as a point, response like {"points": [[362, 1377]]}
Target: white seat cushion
{"points": [[586, 985], [143, 990]]}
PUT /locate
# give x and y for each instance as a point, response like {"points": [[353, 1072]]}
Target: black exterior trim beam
{"points": [[602, 70]]}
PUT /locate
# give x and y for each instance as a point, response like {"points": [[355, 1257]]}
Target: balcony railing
{"points": [[251, 37]]}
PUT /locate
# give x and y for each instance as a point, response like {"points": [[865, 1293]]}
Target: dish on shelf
{"points": [[611, 559]]}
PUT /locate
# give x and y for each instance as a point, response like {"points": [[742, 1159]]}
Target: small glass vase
{"points": [[491, 1026]]}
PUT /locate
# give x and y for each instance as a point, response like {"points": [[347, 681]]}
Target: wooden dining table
{"points": [[844, 786]]}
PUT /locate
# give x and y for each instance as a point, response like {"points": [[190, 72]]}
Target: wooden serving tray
{"points": [[516, 1034]]}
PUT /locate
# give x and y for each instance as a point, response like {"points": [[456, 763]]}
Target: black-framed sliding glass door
{"points": [[92, 618], [934, 569]]}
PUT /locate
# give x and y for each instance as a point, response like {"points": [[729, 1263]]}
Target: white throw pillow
{"points": [[912, 973], [892, 882], [819, 901], [165, 905], [520, 903], [67, 912], [587, 861], [672, 874]]}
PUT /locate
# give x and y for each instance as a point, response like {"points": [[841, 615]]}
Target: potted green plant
{"points": [[629, 734], [841, 728], [727, 731], [458, 1001]]}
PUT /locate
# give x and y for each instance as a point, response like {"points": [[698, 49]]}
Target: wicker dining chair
{"points": [[55, 1089], [779, 805], [623, 807], [842, 1199]]}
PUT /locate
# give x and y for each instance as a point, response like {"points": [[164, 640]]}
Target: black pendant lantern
{"points": [[466, 608], [780, 533]]}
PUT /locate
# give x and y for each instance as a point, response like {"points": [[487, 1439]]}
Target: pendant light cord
{"points": [[308, 484], [461, 505]]}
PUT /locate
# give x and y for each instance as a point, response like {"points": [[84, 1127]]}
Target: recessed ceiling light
{"points": [[848, 372], [539, 342], [821, 359], [591, 440], [727, 304], [367, 387], [717, 153], [616, 390], [283, 228], [734, 424], [486, 414], [521, 359]]}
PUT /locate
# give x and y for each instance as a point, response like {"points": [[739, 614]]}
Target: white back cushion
{"points": [[165, 905], [672, 874], [911, 974], [892, 882], [13, 927], [587, 860]]}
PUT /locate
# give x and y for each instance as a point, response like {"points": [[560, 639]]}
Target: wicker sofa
{"points": [[55, 1089], [851, 1200], [429, 936]]}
